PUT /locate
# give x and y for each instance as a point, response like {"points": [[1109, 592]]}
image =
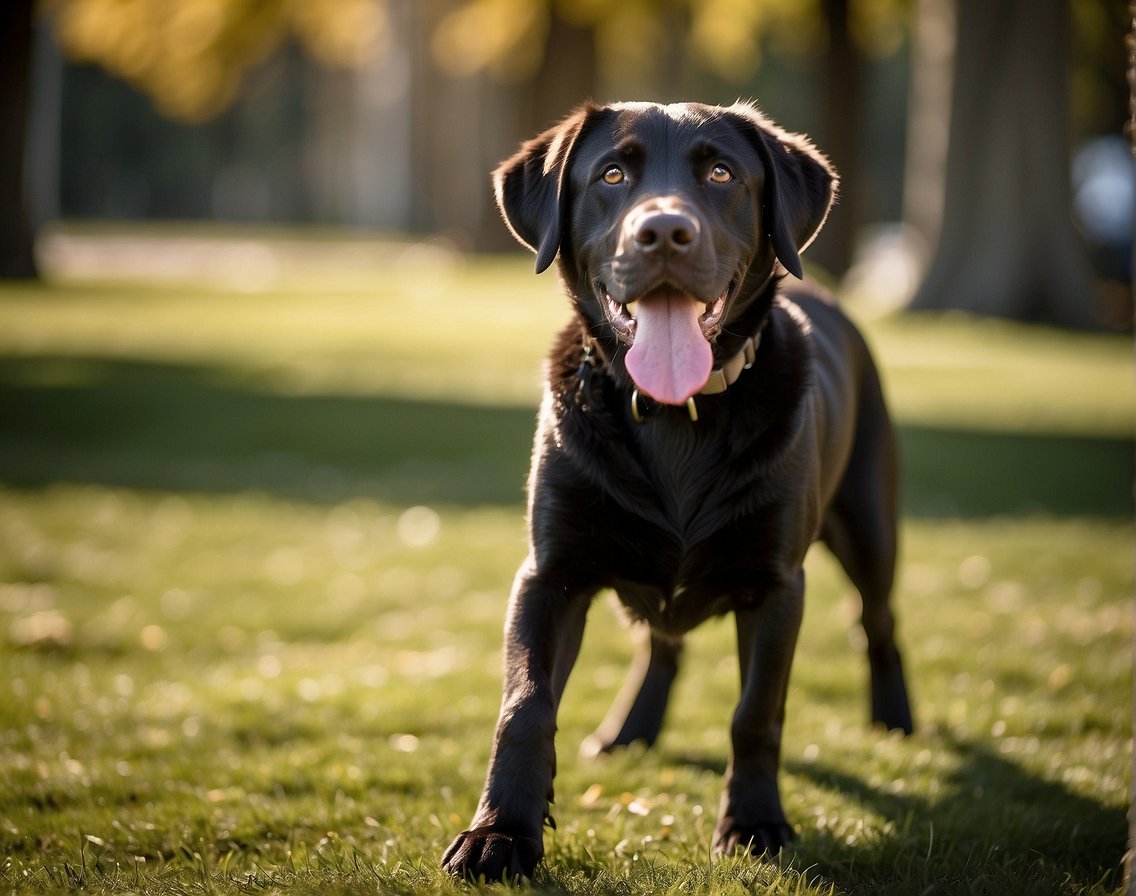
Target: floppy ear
{"points": [[800, 186], [529, 186]]}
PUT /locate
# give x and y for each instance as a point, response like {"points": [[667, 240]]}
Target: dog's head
{"points": [[670, 223]]}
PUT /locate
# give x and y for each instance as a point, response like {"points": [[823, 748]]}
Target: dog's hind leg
{"points": [[860, 530], [638, 710]]}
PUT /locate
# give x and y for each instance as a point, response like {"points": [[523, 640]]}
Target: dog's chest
{"points": [[684, 466], [713, 552]]}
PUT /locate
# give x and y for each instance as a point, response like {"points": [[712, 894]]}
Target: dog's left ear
{"points": [[529, 186], [800, 185]]}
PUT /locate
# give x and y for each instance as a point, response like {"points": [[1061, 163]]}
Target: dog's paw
{"points": [[891, 707], [754, 840], [602, 742], [598, 746], [493, 854], [893, 715]]}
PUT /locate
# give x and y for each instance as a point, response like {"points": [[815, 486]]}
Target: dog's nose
{"points": [[667, 232]]}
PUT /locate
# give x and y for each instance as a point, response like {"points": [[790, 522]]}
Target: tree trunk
{"points": [[566, 78], [425, 128], [17, 239], [843, 117], [1007, 245], [928, 120]]}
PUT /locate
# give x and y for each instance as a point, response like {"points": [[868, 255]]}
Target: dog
{"points": [[702, 424]]}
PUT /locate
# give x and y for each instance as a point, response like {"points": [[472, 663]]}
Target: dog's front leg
{"points": [[542, 637], [751, 817]]}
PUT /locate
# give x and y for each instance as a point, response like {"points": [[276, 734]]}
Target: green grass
{"points": [[254, 554]]}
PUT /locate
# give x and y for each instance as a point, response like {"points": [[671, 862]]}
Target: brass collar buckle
{"points": [[637, 412]]}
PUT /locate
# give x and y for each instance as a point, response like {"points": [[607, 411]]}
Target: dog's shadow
{"points": [[990, 822], [988, 812]]}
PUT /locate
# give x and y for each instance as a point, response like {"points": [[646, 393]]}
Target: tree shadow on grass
{"points": [[184, 428], [977, 473], [213, 429]]}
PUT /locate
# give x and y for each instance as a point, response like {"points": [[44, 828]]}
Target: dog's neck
{"points": [[752, 314], [721, 377]]}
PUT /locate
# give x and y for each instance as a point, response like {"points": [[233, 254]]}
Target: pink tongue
{"points": [[670, 359]]}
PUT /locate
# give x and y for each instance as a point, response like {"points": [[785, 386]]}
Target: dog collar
{"points": [[721, 378]]}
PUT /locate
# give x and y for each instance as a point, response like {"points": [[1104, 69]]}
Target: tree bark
{"points": [[843, 117], [566, 78], [1007, 245], [17, 239], [928, 120]]}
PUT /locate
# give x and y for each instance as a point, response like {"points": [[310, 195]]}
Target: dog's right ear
{"points": [[529, 186]]}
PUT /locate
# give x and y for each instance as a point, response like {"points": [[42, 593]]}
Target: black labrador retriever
{"points": [[701, 426]]}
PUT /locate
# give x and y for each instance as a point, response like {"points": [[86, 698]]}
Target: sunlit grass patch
{"points": [[953, 371], [261, 693]]}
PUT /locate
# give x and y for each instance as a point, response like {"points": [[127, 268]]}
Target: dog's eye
{"points": [[613, 175], [720, 174]]}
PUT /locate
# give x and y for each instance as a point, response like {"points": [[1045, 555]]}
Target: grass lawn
{"points": [[256, 538]]}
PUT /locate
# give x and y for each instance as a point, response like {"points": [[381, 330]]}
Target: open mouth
{"points": [[669, 335], [623, 315]]}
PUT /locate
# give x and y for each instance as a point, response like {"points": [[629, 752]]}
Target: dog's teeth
{"points": [[633, 308]]}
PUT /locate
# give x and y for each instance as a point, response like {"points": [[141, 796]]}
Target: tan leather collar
{"points": [[721, 378]]}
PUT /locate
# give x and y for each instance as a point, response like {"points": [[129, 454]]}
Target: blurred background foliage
{"points": [[191, 56], [386, 115]]}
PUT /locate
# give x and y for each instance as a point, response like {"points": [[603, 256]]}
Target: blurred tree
{"points": [[190, 56], [17, 258], [843, 112], [1006, 245]]}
